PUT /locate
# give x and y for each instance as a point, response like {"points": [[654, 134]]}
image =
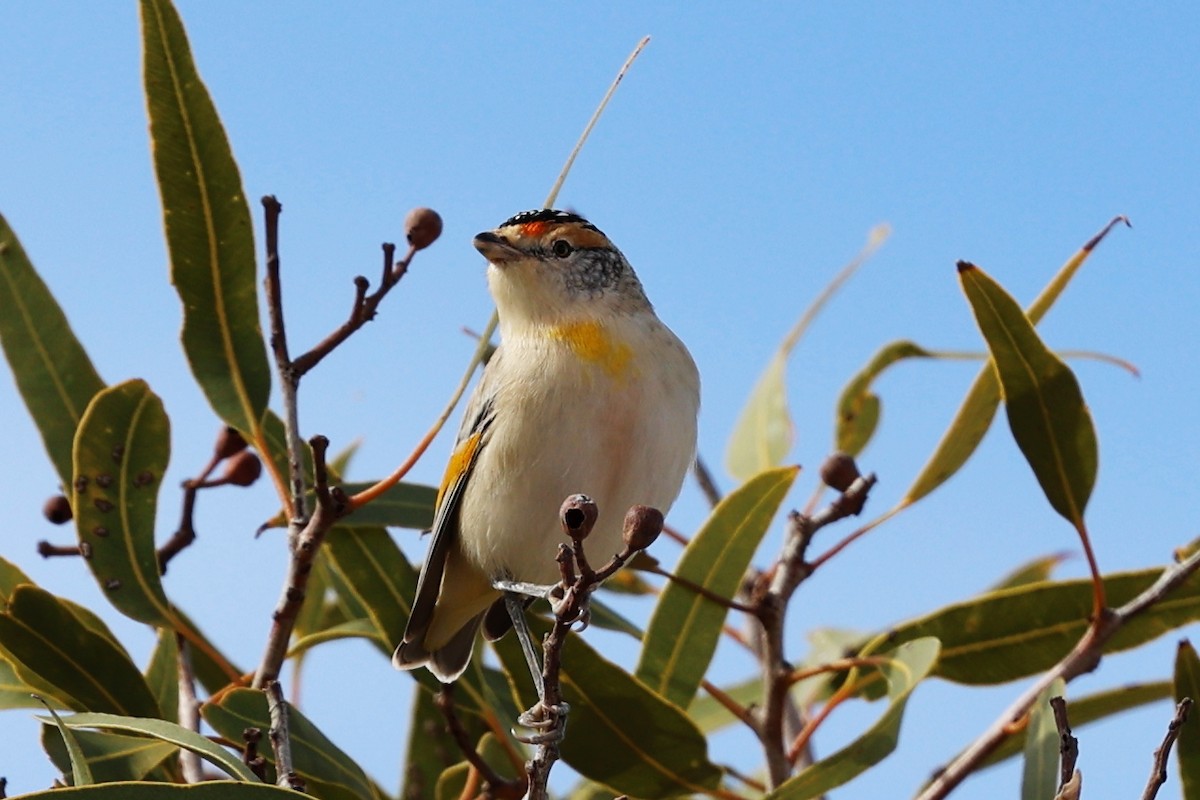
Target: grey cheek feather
{"points": [[601, 271]]}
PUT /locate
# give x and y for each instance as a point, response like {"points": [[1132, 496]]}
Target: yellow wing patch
{"points": [[460, 462], [592, 342]]}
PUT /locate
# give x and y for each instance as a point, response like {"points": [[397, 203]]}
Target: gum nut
{"points": [[422, 227]]}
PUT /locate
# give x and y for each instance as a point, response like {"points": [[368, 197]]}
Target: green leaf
{"points": [[710, 716], [377, 573], [17, 692], [1042, 398], [131, 790], [858, 407], [763, 434], [405, 505], [162, 674], [974, 416], [170, 732], [1092, 708], [110, 756], [213, 670], [53, 373], [121, 453], [1039, 778], [1187, 749], [351, 629], [907, 666], [1035, 571], [1010, 634], [328, 771], [209, 235], [81, 773], [621, 733], [685, 626], [86, 669]]}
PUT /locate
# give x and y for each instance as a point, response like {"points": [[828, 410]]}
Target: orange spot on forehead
{"points": [[534, 229]]}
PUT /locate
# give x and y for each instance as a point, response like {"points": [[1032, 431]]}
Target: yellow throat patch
{"points": [[593, 343]]}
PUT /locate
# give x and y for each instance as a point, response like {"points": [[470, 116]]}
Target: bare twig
{"points": [[189, 711], [330, 505], [1083, 658], [705, 479], [1068, 745], [281, 741], [185, 534], [362, 310], [47, 549], [500, 787], [250, 755], [771, 596], [1158, 775]]}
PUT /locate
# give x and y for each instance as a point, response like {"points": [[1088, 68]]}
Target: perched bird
{"points": [[588, 393]]}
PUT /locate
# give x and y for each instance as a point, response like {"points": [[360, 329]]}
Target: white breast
{"points": [[565, 426]]}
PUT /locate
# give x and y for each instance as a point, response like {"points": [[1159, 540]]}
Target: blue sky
{"points": [[742, 162]]}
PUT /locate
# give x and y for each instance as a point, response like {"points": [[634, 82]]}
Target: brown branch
{"points": [[47, 549], [185, 534], [1158, 775], [500, 786], [1083, 658], [250, 755], [1068, 745], [281, 740], [705, 479], [771, 596], [330, 506], [362, 310]]}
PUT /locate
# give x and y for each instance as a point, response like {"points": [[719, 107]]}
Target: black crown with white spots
{"points": [[548, 215]]}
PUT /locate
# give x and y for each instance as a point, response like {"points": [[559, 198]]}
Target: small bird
{"points": [[587, 393]]}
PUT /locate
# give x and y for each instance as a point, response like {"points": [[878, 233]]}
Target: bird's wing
{"points": [[473, 435]]}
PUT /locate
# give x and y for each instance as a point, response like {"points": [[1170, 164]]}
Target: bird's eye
{"points": [[562, 248]]}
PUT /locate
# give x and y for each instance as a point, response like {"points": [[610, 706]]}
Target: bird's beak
{"points": [[496, 248]]}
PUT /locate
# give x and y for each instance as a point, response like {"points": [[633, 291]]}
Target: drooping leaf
{"points": [[906, 667], [1010, 634], [53, 373], [1039, 777], [87, 671], [974, 416], [121, 453], [763, 433], [207, 220], [81, 772], [133, 790], [328, 771], [162, 674], [858, 408], [110, 756], [1092, 708], [622, 734], [170, 732], [683, 632], [1045, 406], [1187, 749]]}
